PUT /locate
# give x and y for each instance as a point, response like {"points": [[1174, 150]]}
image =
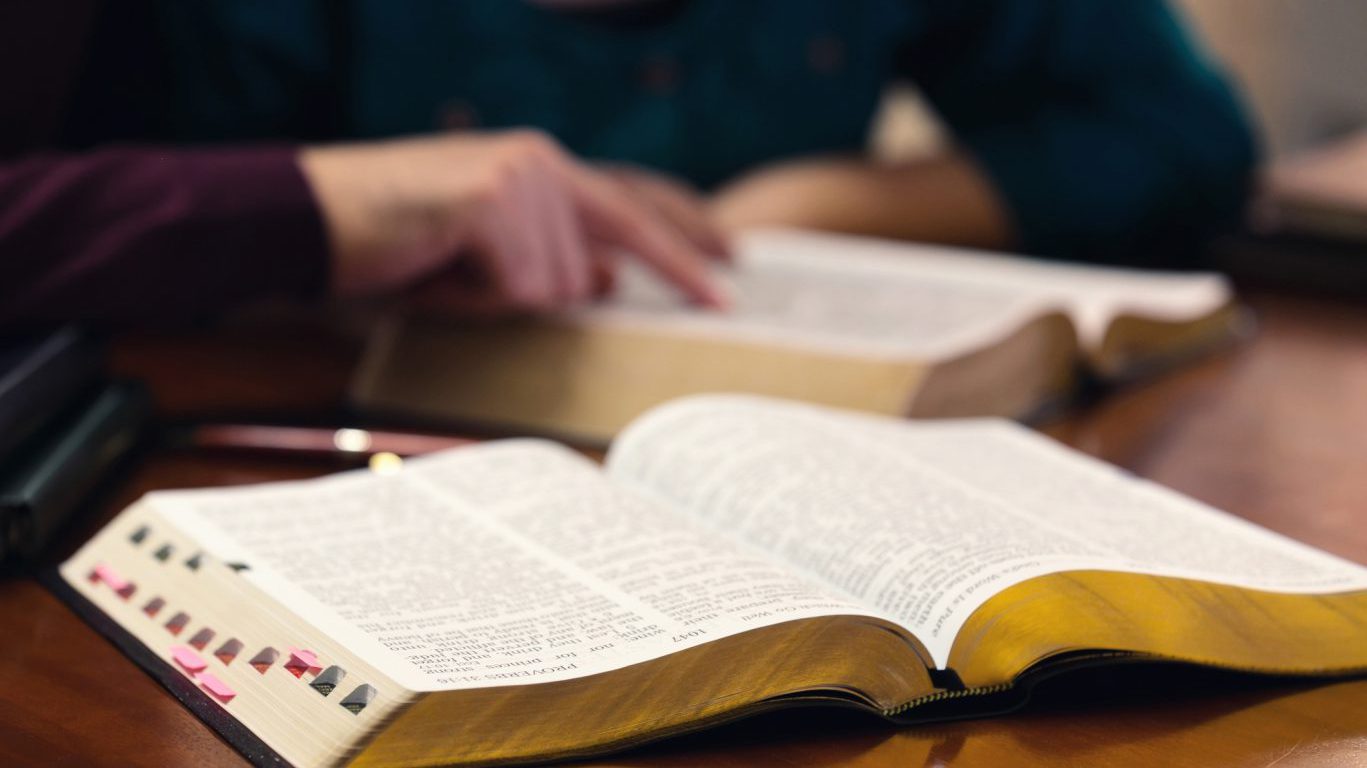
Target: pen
{"points": [[347, 444]]}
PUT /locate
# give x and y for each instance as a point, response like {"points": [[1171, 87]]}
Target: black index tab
{"points": [[328, 679], [358, 699]]}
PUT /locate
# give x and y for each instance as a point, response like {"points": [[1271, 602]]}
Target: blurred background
{"points": [[1301, 66]]}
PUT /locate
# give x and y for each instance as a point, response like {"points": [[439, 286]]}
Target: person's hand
{"points": [[533, 225], [944, 198], [677, 202]]}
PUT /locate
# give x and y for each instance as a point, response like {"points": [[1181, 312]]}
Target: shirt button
{"points": [[826, 55], [659, 74], [458, 115]]}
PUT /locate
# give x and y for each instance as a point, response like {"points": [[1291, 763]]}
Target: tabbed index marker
{"points": [[359, 698], [263, 660], [302, 660], [217, 688], [330, 678], [189, 660], [228, 651], [177, 623], [103, 573], [202, 638]]}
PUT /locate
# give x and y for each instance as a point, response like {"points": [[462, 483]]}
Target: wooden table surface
{"points": [[1275, 431]]}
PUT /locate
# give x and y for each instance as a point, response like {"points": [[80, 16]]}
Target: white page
{"points": [[887, 298], [503, 564], [829, 300], [1093, 295], [926, 521]]}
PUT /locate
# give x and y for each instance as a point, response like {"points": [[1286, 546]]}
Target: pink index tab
{"points": [[188, 659], [216, 687], [104, 573], [302, 661]]}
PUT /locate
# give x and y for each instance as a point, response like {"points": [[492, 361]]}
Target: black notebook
{"points": [[40, 378]]}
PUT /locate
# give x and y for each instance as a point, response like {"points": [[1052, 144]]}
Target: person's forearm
{"points": [[151, 234], [944, 199]]}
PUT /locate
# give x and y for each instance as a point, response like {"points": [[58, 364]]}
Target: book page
{"points": [[894, 298], [831, 299], [926, 521], [502, 564]]}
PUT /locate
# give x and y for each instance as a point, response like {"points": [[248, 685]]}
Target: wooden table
{"points": [[1275, 431]]}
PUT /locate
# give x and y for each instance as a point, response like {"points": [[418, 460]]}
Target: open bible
{"points": [[513, 601], [888, 327]]}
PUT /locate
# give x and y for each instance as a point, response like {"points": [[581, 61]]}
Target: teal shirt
{"points": [[1107, 134]]}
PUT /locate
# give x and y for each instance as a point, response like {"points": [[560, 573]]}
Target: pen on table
{"points": [[345, 444]]}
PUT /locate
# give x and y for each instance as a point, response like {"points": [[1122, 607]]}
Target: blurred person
{"points": [[169, 159]]}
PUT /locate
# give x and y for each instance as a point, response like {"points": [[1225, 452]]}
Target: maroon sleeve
{"points": [[143, 234]]}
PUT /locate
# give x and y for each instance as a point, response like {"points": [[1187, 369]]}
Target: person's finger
{"points": [[518, 261], [680, 206], [615, 217], [603, 258], [563, 241], [534, 220]]}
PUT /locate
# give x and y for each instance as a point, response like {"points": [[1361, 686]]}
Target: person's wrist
{"points": [[347, 218]]}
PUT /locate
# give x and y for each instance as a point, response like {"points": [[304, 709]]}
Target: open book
{"points": [[880, 326], [512, 601]]}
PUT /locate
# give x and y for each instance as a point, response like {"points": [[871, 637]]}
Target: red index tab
{"points": [[187, 658], [217, 688], [302, 661]]}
